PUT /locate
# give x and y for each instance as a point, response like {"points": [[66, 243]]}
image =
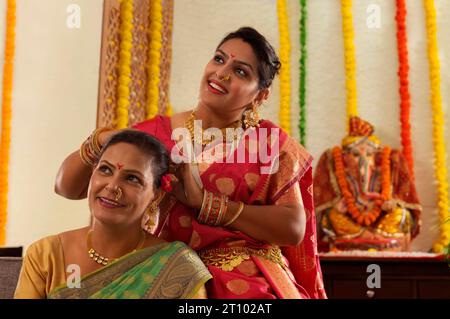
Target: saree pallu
{"points": [[168, 270], [251, 269]]}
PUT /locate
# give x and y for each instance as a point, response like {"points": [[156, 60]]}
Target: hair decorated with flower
{"points": [[166, 183]]}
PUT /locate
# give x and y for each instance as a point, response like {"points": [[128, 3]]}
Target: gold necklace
{"points": [[189, 124], [99, 259]]}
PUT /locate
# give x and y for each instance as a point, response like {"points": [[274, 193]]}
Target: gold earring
{"points": [[251, 117], [152, 212]]}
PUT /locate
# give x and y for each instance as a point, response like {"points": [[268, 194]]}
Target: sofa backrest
{"points": [[9, 275]]}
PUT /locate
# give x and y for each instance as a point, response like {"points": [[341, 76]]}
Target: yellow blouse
{"points": [[42, 269]]}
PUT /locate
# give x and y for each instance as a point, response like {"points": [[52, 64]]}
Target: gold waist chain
{"points": [[228, 258]]}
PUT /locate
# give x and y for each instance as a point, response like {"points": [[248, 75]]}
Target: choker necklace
{"points": [[189, 124], [99, 259]]}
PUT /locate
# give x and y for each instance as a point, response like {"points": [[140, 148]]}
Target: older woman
{"points": [[240, 205], [116, 258]]}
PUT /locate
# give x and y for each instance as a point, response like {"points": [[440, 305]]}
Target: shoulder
{"points": [[72, 238], [288, 144], [295, 156], [187, 254], [44, 246], [41, 254], [151, 125]]}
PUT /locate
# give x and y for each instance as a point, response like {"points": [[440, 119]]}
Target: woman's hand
{"points": [[185, 188], [104, 136]]}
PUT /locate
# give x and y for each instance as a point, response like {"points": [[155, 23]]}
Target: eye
{"points": [[355, 154], [241, 72], [104, 169], [134, 179], [218, 59]]}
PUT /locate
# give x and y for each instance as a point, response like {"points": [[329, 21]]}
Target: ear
{"points": [[262, 96]]}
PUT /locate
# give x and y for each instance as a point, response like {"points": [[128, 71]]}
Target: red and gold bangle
{"points": [[213, 210], [91, 148], [85, 154], [95, 143]]}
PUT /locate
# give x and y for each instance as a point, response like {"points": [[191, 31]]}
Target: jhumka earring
{"points": [[152, 213], [251, 117]]}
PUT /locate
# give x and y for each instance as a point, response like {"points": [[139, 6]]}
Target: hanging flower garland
{"points": [[126, 43], [164, 106], [368, 217], [8, 69], [440, 156], [349, 55], [403, 69], [302, 93], [156, 16], [285, 73]]}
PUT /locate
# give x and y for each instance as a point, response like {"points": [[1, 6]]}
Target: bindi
{"points": [[119, 166], [232, 55]]}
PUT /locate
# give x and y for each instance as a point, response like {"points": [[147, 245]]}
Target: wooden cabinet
{"points": [[399, 278]]}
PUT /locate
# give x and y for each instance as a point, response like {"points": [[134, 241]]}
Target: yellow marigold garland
{"points": [[440, 165], [154, 58], [349, 55], [285, 72], [8, 69], [126, 43]]}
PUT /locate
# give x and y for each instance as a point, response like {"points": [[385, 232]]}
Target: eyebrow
{"points": [[238, 61], [125, 170]]}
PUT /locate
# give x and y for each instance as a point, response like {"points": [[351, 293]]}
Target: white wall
{"points": [[54, 107], [56, 74]]}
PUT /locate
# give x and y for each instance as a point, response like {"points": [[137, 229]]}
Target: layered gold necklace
{"points": [[200, 139], [99, 259]]}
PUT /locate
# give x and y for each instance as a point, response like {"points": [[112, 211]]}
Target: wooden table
{"points": [[417, 277]]}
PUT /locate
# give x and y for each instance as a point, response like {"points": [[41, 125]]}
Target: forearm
{"points": [[276, 224], [73, 177]]}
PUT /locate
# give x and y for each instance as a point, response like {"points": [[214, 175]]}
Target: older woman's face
{"points": [[230, 79], [122, 166]]}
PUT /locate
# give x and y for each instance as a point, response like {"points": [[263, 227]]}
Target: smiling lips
{"points": [[216, 88], [109, 203]]}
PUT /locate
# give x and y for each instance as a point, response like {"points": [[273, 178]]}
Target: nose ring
{"points": [[117, 191], [223, 78]]}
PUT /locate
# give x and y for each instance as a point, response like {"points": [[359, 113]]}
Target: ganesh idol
{"points": [[364, 195]]}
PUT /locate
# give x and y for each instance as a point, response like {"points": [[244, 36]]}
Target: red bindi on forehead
{"points": [[119, 166], [232, 55]]}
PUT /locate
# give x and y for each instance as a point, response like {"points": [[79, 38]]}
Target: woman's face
{"points": [[230, 79], [121, 165]]}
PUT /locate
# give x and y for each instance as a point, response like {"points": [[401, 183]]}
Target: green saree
{"points": [[165, 271]]}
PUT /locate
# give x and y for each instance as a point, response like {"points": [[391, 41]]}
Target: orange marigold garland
{"points": [[8, 68], [367, 218], [403, 69]]}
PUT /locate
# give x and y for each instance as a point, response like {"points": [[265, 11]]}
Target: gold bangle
{"points": [[223, 210], [203, 215], [85, 158], [95, 143], [236, 215]]}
